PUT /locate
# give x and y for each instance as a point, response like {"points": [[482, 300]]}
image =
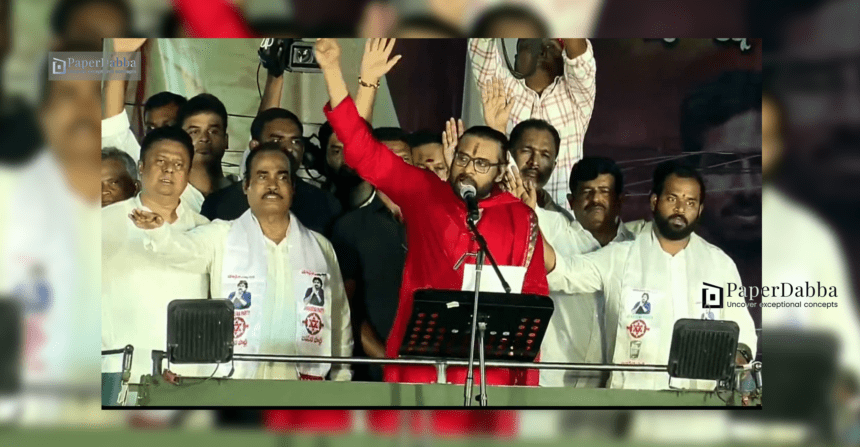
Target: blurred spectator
{"points": [[721, 120], [552, 80], [813, 254], [137, 286], [428, 152], [20, 137], [90, 20], [56, 253], [425, 27], [119, 176], [510, 21]]}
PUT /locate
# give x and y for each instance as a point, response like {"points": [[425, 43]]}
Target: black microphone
{"points": [[469, 194]]}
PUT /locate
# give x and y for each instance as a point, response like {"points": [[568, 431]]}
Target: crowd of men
{"points": [[327, 263]]}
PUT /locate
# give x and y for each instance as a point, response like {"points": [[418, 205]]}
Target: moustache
{"points": [[680, 217], [595, 205], [272, 193]]}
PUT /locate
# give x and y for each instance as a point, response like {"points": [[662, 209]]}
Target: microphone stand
{"points": [[482, 249]]}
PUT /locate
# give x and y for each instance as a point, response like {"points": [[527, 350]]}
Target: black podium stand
{"points": [[511, 326]]}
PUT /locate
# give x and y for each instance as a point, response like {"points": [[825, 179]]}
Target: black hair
{"points": [[422, 137], [390, 134], [324, 134], [64, 10], [317, 278], [485, 23], [714, 103], [489, 133], [162, 99], [243, 282], [428, 23], [172, 133], [672, 167], [44, 75], [588, 168], [271, 146], [203, 103], [269, 115], [520, 129]]}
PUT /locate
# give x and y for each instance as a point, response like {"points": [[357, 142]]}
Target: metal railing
{"points": [[440, 364]]}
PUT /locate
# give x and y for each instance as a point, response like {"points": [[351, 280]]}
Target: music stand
{"points": [[703, 349], [512, 326], [200, 331]]}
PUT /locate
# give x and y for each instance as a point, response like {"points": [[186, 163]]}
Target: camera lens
{"points": [[303, 55]]}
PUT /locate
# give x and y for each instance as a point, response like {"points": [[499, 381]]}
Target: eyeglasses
{"points": [[482, 165]]}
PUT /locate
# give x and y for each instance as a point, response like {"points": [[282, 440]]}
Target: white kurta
{"points": [[202, 250], [116, 132], [577, 328], [44, 223], [137, 288], [626, 271], [814, 256]]}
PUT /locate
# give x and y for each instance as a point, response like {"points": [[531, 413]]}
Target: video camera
{"points": [[293, 55]]}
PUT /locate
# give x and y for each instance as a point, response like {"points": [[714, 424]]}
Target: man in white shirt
{"points": [[279, 259], [136, 285], [577, 332], [668, 262]]}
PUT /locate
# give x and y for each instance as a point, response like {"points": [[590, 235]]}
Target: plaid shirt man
{"points": [[567, 104]]}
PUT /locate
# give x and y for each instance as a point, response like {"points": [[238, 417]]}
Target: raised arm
{"points": [[116, 128], [372, 160], [200, 15], [579, 76], [374, 65], [272, 92], [192, 251], [487, 63], [583, 273]]}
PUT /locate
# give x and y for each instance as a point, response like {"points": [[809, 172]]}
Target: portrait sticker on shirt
{"points": [[314, 294], [642, 304], [314, 290], [638, 323], [243, 296]]}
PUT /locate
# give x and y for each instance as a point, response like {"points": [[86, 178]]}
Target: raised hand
{"points": [[327, 52], [124, 45], [450, 136], [525, 191], [497, 105], [146, 220], [376, 63]]}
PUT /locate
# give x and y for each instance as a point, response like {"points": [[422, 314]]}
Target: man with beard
{"points": [[721, 121], [440, 243], [137, 286], [119, 176], [670, 263], [555, 82], [577, 331], [279, 259], [534, 146]]}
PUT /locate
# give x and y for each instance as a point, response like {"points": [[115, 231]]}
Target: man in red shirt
{"points": [[438, 238]]}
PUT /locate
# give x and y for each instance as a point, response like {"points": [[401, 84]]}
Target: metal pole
{"points": [[482, 361], [469, 375]]}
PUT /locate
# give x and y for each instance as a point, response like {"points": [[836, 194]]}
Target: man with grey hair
{"points": [[119, 176]]}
